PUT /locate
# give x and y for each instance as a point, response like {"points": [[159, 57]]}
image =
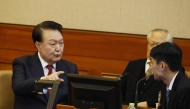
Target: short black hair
{"points": [[38, 29], [169, 53]]}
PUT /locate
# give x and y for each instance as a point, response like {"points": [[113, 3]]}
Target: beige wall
{"points": [[123, 16]]}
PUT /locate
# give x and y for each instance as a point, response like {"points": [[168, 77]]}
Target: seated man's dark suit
{"points": [[179, 97], [148, 90], [28, 69]]}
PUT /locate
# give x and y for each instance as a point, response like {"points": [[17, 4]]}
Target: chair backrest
{"points": [[6, 93], [187, 73]]}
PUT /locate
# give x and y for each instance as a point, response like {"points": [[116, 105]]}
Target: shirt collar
{"points": [[44, 63], [147, 61], [171, 83], [147, 65]]}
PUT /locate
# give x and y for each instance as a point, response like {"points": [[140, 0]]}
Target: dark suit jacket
{"points": [[28, 69], [179, 95], [148, 90]]}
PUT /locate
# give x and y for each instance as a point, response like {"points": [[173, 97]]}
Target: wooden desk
{"points": [[59, 106], [126, 106]]}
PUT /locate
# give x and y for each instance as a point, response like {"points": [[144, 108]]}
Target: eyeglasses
{"points": [[153, 44]]}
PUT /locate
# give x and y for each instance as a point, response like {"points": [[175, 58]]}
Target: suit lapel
{"points": [[135, 76], [36, 66], [174, 87], [151, 78], [150, 81]]}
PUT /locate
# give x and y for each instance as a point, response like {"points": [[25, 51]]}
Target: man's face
{"points": [[157, 69], [155, 39], [51, 47]]}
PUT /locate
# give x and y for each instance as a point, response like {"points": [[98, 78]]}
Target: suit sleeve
{"points": [[76, 69], [20, 84]]}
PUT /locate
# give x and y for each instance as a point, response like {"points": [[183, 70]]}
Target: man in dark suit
{"points": [[148, 89], [48, 39], [166, 60]]}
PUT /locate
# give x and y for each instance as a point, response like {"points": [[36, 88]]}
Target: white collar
{"points": [[147, 61], [171, 83], [43, 62], [147, 65]]}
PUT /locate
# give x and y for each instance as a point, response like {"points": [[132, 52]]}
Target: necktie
{"points": [[167, 96], [49, 67]]}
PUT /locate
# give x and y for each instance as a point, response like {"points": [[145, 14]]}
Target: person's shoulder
{"points": [[186, 79], [184, 83], [23, 58], [138, 61]]}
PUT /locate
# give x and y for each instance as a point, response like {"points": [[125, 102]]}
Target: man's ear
{"points": [[38, 45], [162, 65]]}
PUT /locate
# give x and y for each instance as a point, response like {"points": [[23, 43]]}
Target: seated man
{"points": [[45, 64], [166, 60], [136, 69]]}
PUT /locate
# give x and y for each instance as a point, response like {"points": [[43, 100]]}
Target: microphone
{"points": [[136, 92]]}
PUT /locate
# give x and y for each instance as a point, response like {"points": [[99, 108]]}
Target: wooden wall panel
{"points": [[8, 55], [102, 64], [106, 52], [4, 66], [16, 37], [185, 46], [104, 45]]}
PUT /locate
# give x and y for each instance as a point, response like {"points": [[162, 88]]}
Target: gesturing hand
{"points": [[54, 76]]}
